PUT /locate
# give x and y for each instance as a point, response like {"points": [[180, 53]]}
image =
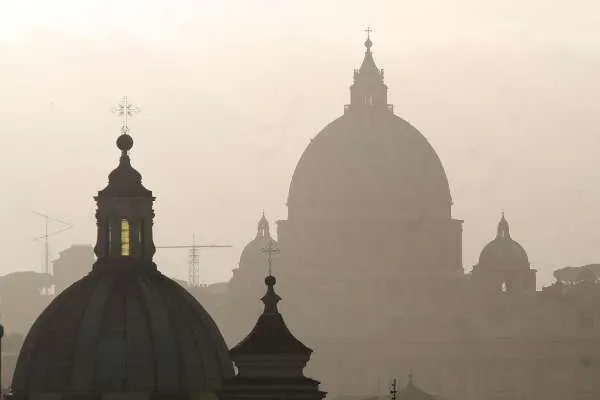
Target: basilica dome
{"points": [[375, 162], [369, 161]]}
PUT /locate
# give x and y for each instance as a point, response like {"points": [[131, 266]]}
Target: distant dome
{"points": [[370, 161], [125, 328], [504, 252], [253, 254]]}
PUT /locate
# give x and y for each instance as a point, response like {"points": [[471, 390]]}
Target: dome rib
{"points": [[188, 346], [209, 338], [163, 344], [140, 342], [83, 373]]}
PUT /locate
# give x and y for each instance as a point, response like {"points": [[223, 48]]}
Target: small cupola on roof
{"points": [[368, 90], [504, 252], [270, 360], [124, 215], [503, 263]]}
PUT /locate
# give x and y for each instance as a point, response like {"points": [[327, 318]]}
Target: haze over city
{"points": [[231, 93]]}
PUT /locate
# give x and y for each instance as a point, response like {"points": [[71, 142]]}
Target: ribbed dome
{"points": [[370, 162], [123, 328], [503, 252]]}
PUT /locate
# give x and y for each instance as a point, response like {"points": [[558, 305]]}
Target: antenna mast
{"points": [[47, 219], [394, 390], [194, 266], [194, 258]]}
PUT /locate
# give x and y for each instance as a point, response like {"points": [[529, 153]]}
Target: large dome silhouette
{"points": [[370, 162], [123, 328]]}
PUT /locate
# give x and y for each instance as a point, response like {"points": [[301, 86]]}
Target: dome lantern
{"points": [[368, 90], [124, 215]]}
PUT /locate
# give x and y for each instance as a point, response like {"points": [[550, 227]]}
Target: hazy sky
{"points": [[232, 91]]}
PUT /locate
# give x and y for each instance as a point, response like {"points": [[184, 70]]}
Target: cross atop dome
{"points": [[124, 110], [270, 250], [368, 42]]}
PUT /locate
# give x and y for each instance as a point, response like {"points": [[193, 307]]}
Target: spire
{"points": [[270, 299], [270, 334], [270, 360], [368, 42], [503, 231], [368, 90]]}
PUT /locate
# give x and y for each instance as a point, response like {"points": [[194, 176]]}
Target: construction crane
{"points": [[47, 219], [194, 258]]}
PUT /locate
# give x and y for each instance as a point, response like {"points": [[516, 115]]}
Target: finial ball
{"points": [[124, 142], [270, 280], [368, 43]]}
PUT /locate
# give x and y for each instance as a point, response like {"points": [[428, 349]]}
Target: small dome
{"points": [[253, 254], [123, 328], [503, 252]]}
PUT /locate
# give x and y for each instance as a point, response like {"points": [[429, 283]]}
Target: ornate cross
{"points": [[368, 30], [270, 250], [125, 110]]}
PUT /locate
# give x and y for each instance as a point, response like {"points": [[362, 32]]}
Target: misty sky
{"points": [[232, 91]]}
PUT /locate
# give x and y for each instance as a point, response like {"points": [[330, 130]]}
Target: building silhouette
{"points": [[371, 233], [270, 360], [71, 265]]}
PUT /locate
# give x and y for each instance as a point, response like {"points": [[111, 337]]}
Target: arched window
{"points": [[124, 237], [504, 287]]}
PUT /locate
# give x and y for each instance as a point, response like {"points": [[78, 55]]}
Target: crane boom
{"points": [[194, 246], [194, 261]]}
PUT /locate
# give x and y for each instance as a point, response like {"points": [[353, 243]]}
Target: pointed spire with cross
{"points": [[124, 110], [270, 250], [368, 42]]}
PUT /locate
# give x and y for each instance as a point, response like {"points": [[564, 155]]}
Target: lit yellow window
{"points": [[124, 237]]}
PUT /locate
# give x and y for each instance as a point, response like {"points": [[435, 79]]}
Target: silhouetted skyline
{"points": [[506, 94]]}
